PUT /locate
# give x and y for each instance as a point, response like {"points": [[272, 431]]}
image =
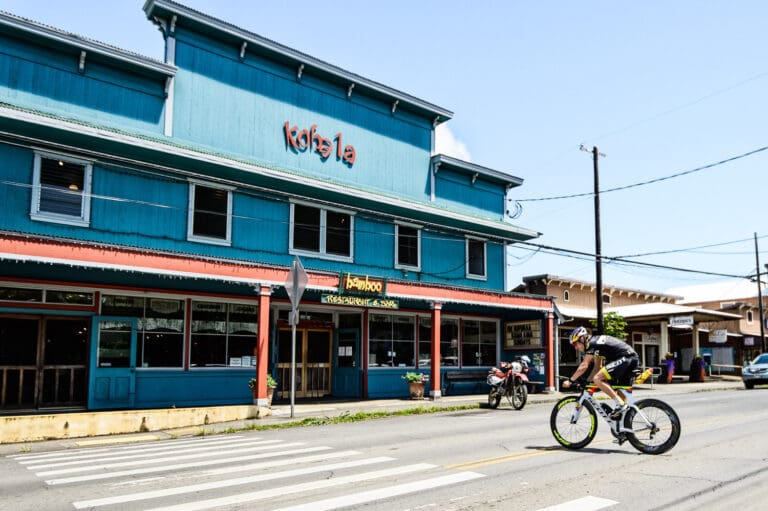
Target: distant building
{"points": [[656, 322]]}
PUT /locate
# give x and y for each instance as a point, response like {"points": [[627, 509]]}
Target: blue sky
{"points": [[660, 87]]}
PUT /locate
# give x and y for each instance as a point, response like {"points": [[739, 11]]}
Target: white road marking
{"points": [[381, 493], [69, 453], [144, 453], [180, 466], [251, 467], [266, 445], [588, 503], [242, 498], [180, 490]]}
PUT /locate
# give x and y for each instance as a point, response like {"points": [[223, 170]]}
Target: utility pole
{"points": [[598, 245], [760, 298]]}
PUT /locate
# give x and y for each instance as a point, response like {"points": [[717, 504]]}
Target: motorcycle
{"points": [[511, 381]]}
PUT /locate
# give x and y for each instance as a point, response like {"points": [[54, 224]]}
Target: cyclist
{"points": [[613, 358]]}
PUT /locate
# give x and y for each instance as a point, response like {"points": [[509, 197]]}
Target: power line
{"points": [[643, 183]]}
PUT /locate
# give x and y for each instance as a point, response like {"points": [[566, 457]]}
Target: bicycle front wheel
{"points": [[655, 428], [573, 426]]}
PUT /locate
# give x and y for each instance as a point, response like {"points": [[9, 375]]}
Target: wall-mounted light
{"points": [[73, 187]]}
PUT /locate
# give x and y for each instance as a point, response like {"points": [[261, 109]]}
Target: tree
{"points": [[613, 325]]}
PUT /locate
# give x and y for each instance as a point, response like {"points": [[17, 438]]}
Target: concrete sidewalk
{"points": [[42, 432]]}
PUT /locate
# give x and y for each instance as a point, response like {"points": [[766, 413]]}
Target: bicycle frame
{"points": [[617, 426]]}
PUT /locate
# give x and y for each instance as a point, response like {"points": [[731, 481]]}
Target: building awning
{"points": [[87, 256]]}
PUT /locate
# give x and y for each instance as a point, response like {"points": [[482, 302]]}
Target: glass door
{"points": [[346, 366], [313, 362], [112, 380]]}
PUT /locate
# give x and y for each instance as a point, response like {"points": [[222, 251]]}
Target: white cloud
{"points": [[446, 143]]}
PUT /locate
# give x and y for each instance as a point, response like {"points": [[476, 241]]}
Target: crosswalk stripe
{"points": [[180, 490], [294, 488], [252, 467], [588, 503], [180, 466], [69, 453], [148, 453], [270, 444], [381, 493]]}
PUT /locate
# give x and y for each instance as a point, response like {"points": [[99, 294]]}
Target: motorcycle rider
{"points": [[615, 358]]}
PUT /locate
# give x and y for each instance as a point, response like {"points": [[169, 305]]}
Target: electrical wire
{"points": [[651, 181]]}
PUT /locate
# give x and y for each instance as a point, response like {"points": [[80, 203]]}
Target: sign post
{"points": [[294, 286]]}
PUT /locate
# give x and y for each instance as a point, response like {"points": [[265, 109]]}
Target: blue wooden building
{"points": [[152, 211]]}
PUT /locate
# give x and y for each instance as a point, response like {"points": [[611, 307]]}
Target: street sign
{"points": [[296, 282]]}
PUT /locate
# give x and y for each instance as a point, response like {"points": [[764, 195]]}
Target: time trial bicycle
{"points": [[650, 425]]}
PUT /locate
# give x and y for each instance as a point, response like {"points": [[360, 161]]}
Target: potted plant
{"points": [[416, 383], [271, 386]]}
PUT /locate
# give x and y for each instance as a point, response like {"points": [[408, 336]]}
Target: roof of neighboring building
{"points": [[662, 310], [549, 279], [730, 290]]}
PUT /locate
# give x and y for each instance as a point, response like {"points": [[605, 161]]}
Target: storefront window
{"points": [[478, 343], [223, 335], [449, 342], [161, 327], [392, 340]]}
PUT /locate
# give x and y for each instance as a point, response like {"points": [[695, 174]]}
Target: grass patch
{"points": [[355, 417]]}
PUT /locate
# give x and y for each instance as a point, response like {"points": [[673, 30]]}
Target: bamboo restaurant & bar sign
{"points": [[362, 292]]}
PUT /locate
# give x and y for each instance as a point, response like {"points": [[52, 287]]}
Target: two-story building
{"points": [[656, 323], [152, 212]]}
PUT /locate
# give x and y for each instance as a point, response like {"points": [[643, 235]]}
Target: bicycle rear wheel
{"points": [[573, 427], [655, 429]]}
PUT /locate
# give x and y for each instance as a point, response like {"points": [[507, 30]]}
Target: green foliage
{"points": [[411, 377], [613, 325], [271, 382]]}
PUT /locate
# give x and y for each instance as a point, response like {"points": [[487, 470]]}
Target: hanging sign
{"points": [[360, 301], [681, 321], [358, 284]]}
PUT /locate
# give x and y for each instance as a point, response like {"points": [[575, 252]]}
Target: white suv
{"points": [[756, 372]]}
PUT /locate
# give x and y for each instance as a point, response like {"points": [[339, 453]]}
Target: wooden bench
{"points": [[476, 376]]}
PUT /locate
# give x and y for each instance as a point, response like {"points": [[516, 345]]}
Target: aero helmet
{"points": [[577, 334]]}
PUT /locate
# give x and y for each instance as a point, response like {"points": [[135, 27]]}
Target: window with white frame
{"points": [[210, 213], [566, 296], [61, 189], [407, 247], [321, 232], [475, 258]]}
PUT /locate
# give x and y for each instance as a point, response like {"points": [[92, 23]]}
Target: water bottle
{"points": [[646, 374]]}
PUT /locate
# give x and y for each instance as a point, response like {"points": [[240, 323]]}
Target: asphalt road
{"points": [[469, 460]]}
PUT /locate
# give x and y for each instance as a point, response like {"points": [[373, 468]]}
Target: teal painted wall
{"points": [[48, 80], [457, 192], [240, 108]]}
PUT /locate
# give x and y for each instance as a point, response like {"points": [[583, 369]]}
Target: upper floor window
{"points": [[210, 213], [750, 317], [566, 296], [320, 231], [475, 258], [61, 190], [607, 299], [407, 247]]}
